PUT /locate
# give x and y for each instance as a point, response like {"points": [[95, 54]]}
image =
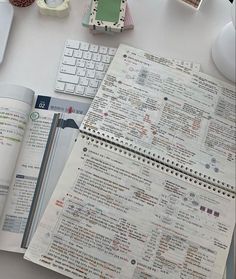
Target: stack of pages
{"points": [[147, 184], [107, 16]]}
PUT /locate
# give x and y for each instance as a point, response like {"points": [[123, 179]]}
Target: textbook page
{"points": [[185, 121], [20, 196], [115, 214], [15, 106]]}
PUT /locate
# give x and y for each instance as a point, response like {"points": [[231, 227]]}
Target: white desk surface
{"points": [[164, 27]]}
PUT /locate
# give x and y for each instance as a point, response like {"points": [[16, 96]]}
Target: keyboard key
{"points": [[78, 53], [68, 69], [84, 81], [90, 73], [96, 57], [60, 86], [103, 50], [106, 59], [68, 78], [100, 75], [99, 66], [81, 63], [99, 83], [70, 88], [84, 46], [93, 83], [90, 65], [81, 72], [79, 90], [112, 51], [93, 48], [69, 61], [106, 66], [68, 52], [87, 55], [72, 44], [90, 92]]}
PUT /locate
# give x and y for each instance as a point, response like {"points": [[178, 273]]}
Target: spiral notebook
{"points": [[134, 201]]}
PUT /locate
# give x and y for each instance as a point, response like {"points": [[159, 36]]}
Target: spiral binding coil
{"points": [[136, 154]]}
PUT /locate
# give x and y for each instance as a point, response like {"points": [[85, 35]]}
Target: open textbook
{"points": [[25, 125], [148, 189]]}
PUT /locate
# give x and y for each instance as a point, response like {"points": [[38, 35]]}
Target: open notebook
{"points": [[148, 190]]}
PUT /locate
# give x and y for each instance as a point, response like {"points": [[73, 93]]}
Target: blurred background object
{"points": [[21, 3], [194, 3], [223, 50]]}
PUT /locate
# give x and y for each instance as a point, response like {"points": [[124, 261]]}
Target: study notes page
{"points": [[115, 214], [184, 120]]}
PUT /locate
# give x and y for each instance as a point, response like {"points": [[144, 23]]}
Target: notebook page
{"points": [[115, 214], [185, 121]]}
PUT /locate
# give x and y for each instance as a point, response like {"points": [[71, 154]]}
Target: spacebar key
{"points": [[68, 78]]}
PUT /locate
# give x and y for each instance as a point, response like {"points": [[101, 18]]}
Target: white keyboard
{"points": [[82, 68]]}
